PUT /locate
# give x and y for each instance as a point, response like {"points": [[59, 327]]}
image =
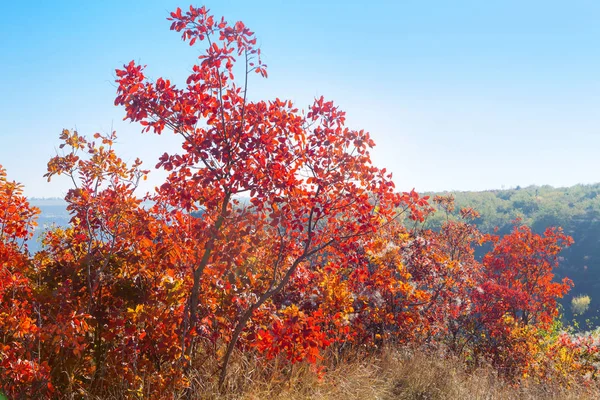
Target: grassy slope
{"points": [[394, 374]]}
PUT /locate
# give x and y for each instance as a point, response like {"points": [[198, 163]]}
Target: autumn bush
{"points": [[160, 295]]}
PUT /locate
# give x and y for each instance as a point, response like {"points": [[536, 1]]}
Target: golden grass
{"points": [[392, 374]]}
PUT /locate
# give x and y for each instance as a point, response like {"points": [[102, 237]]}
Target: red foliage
{"points": [[22, 374], [312, 186], [518, 296], [519, 278], [135, 291]]}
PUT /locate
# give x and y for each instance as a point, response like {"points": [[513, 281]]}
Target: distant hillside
{"points": [[576, 209]]}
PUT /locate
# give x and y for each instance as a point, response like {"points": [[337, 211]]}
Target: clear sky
{"points": [[458, 95]]}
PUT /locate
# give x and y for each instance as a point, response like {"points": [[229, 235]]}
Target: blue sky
{"points": [[462, 95]]}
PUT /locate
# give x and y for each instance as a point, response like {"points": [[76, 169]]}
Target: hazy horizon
{"points": [[62, 201]]}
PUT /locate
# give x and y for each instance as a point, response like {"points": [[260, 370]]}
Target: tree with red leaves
{"points": [[310, 179], [518, 297]]}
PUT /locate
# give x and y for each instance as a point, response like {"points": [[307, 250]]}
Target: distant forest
{"points": [[576, 209]]}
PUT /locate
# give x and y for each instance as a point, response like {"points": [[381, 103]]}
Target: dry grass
{"points": [[394, 374]]}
